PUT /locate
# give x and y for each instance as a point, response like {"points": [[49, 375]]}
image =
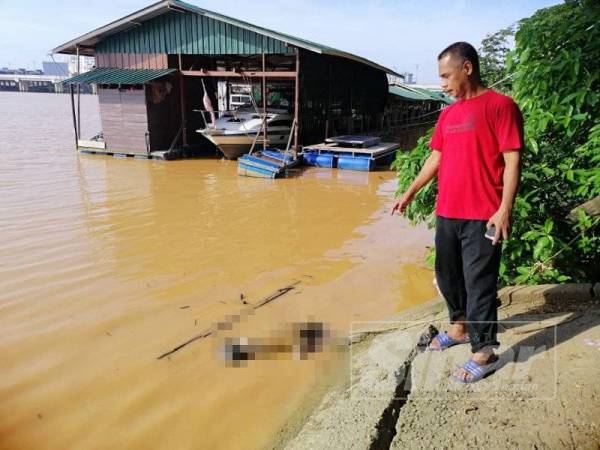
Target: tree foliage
{"points": [[493, 52], [556, 82]]}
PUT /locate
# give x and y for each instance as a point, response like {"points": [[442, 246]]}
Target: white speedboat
{"points": [[235, 131]]}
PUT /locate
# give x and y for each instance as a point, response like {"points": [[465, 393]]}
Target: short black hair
{"points": [[464, 51]]}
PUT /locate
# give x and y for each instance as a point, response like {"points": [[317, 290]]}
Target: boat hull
{"points": [[234, 146]]}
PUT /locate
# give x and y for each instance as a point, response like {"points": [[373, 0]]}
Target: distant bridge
{"points": [[10, 81]]}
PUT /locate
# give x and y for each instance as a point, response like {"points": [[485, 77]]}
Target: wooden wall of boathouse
{"points": [[143, 119], [132, 60], [124, 119]]}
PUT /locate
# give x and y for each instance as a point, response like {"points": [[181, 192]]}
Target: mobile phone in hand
{"points": [[490, 233]]}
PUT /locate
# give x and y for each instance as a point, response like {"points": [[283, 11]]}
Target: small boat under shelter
{"points": [[235, 132]]}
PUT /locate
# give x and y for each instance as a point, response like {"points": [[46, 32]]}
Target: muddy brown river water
{"points": [[107, 263]]}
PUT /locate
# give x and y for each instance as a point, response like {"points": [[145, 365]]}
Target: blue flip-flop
{"points": [[445, 341], [476, 370]]}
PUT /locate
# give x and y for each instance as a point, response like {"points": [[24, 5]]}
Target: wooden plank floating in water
{"points": [[91, 144], [113, 153], [248, 311], [163, 155]]}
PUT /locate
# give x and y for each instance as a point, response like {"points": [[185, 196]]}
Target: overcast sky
{"points": [[401, 34]]}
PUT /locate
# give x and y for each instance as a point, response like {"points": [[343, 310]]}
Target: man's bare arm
{"points": [[428, 171], [511, 177]]}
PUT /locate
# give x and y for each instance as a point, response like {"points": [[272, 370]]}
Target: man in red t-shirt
{"points": [[476, 156]]}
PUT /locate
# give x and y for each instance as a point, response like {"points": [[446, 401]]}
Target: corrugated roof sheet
{"points": [[407, 93], [436, 95], [418, 94], [88, 41], [118, 76], [286, 38], [188, 33]]}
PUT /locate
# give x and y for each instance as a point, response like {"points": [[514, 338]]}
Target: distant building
{"points": [[403, 78], [409, 78], [59, 69], [86, 64]]}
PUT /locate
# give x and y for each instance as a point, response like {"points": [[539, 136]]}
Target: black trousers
{"points": [[466, 270]]}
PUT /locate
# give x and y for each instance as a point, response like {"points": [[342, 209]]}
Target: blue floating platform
{"points": [[355, 163], [265, 164], [333, 154], [319, 159]]}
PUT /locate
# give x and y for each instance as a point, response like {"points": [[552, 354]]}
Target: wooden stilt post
{"points": [[78, 96], [328, 103], [74, 118], [297, 101], [264, 102], [182, 101]]}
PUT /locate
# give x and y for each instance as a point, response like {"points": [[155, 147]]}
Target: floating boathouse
{"points": [[153, 68]]}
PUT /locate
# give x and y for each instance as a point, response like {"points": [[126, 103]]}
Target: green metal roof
{"points": [[407, 93], [418, 93], [208, 33], [436, 95], [174, 32], [118, 76]]}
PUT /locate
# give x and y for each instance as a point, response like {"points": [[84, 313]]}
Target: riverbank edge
{"points": [[350, 416]]}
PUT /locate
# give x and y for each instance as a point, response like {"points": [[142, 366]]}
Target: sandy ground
{"points": [[545, 394]]}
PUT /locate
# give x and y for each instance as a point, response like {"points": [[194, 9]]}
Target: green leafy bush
{"points": [[408, 165], [556, 82]]}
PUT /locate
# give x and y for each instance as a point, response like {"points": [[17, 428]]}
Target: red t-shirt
{"points": [[471, 136]]}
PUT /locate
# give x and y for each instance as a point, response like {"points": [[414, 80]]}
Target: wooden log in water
{"points": [[209, 331]]}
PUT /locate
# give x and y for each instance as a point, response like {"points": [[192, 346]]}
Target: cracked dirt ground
{"points": [[545, 395]]}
